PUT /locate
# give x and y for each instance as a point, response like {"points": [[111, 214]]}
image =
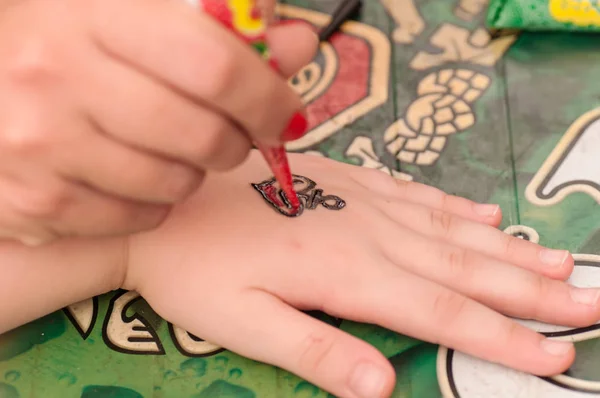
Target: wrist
{"points": [[51, 277]]}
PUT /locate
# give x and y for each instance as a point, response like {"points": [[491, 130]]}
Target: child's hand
{"points": [[112, 110], [226, 267]]}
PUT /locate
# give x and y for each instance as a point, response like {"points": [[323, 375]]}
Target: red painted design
{"points": [[310, 197], [350, 84]]}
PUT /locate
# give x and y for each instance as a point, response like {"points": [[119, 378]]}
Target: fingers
{"points": [[149, 116], [196, 55], [414, 306], [122, 171], [92, 213], [500, 285], [291, 58], [339, 363], [452, 228], [37, 213], [389, 187]]}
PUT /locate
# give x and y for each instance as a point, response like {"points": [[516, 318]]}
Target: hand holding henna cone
{"points": [[244, 18]]}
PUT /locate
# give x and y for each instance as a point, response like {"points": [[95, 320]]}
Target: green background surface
{"points": [[532, 15], [520, 118]]}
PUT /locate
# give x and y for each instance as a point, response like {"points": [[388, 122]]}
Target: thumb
{"points": [[293, 45]]}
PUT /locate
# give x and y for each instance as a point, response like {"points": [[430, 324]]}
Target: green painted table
{"points": [[417, 90]]}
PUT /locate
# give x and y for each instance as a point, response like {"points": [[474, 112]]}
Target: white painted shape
{"points": [[582, 162], [83, 314], [120, 332], [476, 378]]}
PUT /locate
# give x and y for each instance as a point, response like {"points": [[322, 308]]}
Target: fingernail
{"points": [[367, 381], [553, 257], [585, 296], [555, 347], [296, 128], [486, 210]]}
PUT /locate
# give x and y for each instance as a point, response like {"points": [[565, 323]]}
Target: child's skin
{"points": [[226, 267], [111, 111]]}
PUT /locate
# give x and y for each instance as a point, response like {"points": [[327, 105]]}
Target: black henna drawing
{"points": [[310, 197]]}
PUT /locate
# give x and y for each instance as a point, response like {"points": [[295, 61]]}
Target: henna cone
{"points": [[276, 157], [277, 160]]}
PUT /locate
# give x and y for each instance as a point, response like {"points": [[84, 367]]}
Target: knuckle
{"points": [[379, 177], [400, 187], [444, 198], [438, 196], [448, 308], [44, 204], [442, 222], [510, 334], [330, 300], [314, 351], [370, 178], [236, 155], [510, 243], [25, 137], [541, 290], [456, 260], [223, 70], [146, 218], [34, 63], [182, 183], [401, 183], [211, 142]]}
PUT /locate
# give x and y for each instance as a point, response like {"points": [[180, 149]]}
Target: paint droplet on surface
{"points": [[169, 374], [223, 389], [235, 373], [222, 360], [67, 379], [109, 392], [196, 366], [305, 389], [12, 375], [24, 338], [8, 391]]}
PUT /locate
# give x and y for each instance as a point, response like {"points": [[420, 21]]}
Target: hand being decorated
{"points": [[230, 267]]}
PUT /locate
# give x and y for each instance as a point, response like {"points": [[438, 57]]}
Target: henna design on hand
{"points": [[306, 189]]}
